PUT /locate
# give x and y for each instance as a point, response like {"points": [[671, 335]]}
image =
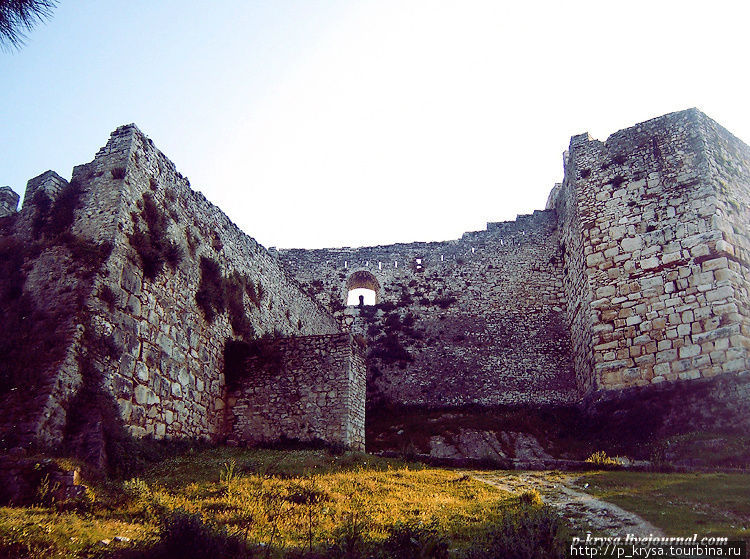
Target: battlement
{"points": [[8, 201], [49, 182]]}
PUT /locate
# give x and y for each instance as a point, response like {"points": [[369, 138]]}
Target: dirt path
{"points": [[557, 491]]}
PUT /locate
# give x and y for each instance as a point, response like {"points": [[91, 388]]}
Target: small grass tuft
{"points": [[531, 498], [600, 458]]}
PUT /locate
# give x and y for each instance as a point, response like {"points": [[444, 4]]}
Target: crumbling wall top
{"points": [[8, 201], [48, 182]]}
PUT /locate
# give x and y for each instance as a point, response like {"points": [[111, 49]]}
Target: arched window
{"points": [[360, 296], [362, 288]]}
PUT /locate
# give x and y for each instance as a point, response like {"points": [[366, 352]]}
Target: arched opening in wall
{"points": [[360, 296], [362, 288]]}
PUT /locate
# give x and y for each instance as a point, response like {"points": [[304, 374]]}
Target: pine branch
{"points": [[17, 17]]}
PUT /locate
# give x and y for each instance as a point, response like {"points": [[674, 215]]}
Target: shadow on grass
{"points": [[528, 532]]}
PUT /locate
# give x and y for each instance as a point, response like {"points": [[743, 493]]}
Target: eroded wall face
{"points": [[664, 295], [55, 262], [168, 378], [314, 392], [480, 320]]}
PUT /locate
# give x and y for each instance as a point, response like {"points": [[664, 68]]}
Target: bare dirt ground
{"points": [[581, 509]]}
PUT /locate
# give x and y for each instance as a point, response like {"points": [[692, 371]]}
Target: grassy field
{"points": [[710, 504], [228, 502], [276, 503]]}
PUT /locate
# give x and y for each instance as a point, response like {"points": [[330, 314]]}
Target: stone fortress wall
{"points": [[488, 314], [166, 373], [169, 380], [654, 225], [635, 276]]}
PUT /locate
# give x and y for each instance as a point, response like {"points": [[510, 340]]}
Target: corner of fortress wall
{"points": [[166, 368], [654, 229]]}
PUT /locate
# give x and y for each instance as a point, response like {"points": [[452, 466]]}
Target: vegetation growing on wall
{"points": [[32, 337], [389, 349], [217, 294], [94, 430], [235, 287], [118, 173], [210, 294], [444, 302], [152, 243], [385, 334], [260, 355], [63, 211], [51, 219], [36, 330]]}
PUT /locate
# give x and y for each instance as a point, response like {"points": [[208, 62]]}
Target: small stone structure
{"points": [[318, 396], [636, 277]]}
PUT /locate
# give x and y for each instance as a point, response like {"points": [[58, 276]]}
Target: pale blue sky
{"points": [[334, 123]]}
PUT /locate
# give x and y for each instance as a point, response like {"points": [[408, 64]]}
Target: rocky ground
{"points": [[560, 491]]}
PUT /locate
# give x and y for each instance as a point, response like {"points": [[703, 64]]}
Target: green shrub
{"points": [[184, 535], [217, 294], [228, 474], [619, 159], [367, 311], [255, 293], [235, 286], [389, 350], [108, 297], [41, 202], [192, 241], [309, 496], [54, 218], [136, 489], [600, 458], [87, 255], [210, 294], [444, 302], [411, 540], [531, 498], [63, 210], [349, 538], [35, 336], [386, 306], [529, 533]]}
